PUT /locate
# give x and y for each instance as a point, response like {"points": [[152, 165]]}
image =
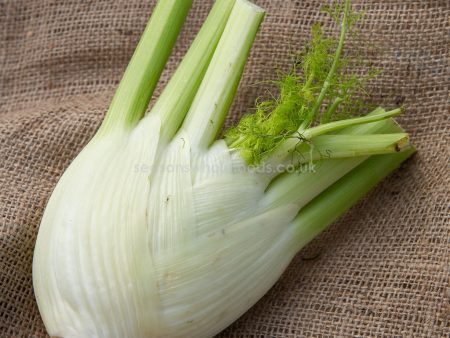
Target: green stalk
{"points": [[332, 108], [148, 61], [308, 181], [297, 143], [341, 196], [302, 186], [217, 90], [332, 71], [341, 146], [176, 99], [377, 115]]}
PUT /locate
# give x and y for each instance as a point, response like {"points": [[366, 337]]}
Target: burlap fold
{"points": [[382, 270]]}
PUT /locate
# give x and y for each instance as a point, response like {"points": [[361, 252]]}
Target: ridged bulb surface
{"points": [[153, 239]]}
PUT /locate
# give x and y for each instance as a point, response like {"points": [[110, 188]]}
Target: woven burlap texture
{"points": [[382, 270]]}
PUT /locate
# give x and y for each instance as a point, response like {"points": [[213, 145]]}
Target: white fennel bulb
{"points": [[156, 229]]}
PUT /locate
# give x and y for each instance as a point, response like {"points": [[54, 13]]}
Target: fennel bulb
{"points": [[156, 229]]}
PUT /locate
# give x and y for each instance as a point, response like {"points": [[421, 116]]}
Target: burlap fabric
{"points": [[382, 270]]}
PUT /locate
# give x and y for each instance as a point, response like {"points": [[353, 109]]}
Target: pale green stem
{"points": [[148, 61], [377, 115], [221, 80], [332, 108], [302, 186], [334, 65], [342, 195], [289, 146], [341, 146], [306, 182], [176, 99]]}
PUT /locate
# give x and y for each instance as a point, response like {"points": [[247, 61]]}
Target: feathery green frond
{"points": [[319, 88]]}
